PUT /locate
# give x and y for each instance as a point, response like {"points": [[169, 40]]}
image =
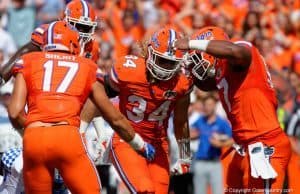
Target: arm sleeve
{"points": [[20, 67], [113, 75], [105, 80]]}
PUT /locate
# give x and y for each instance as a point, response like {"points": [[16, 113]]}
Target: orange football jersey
{"points": [[91, 49], [248, 97], [147, 106], [57, 83]]}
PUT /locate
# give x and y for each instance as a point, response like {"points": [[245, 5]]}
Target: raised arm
{"points": [[237, 54]]}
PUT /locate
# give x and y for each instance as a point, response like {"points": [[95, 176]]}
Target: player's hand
{"points": [[182, 44], [148, 151], [181, 166], [142, 147]]}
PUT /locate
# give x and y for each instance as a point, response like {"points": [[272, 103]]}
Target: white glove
{"points": [[96, 149], [259, 163], [181, 166]]}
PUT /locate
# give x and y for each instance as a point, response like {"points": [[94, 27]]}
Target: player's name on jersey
{"points": [[60, 57]]}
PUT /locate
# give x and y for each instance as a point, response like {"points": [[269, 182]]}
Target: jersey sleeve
{"points": [[37, 36], [114, 75], [20, 66], [100, 75]]}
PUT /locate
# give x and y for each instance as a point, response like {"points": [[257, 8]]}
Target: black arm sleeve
{"points": [[110, 92]]}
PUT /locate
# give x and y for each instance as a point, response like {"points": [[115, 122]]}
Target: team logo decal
{"points": [[155, 41]]}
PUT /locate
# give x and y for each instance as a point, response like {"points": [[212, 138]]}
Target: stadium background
{"points": [[272, 25]]}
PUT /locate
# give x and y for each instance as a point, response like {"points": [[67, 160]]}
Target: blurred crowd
{"points": [[271, 25]]}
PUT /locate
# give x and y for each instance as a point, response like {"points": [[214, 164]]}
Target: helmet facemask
{"points": [[202, 68], [161, 66], [85, 27]]}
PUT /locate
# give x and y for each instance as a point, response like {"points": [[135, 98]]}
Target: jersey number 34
{"points": [[138, 112]]}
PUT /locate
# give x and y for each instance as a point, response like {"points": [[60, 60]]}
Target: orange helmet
{"points": [[163, 62], [203, 64], [81, 14], [60, 36]]}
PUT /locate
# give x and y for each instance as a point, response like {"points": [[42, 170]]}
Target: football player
{"points": [[149, 89], [78, 13], [238, 71], [55, 84], [81, 15]]}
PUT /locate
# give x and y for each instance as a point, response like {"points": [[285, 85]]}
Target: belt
{"points": [[42, 124]]}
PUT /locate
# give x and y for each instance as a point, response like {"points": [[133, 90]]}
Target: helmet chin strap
{"points": [[82, 47]]}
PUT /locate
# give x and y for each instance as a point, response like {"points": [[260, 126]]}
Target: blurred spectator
{"points": [[295, 21], [106, 57], [151, 13], [49, 11], [213, 133], [9, 138], [293, 131], [20, 19], [125, 28], [251, 27], [7, 45], [197, 21]]}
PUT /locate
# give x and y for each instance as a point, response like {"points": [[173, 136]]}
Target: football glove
{"points": [[148, 151], [181, 166], [142, 147]]}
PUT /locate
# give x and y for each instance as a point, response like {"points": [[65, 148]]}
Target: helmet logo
{"points": [[68, 12], [86, 19], [58, 36], [155, 41], [204, 35]]}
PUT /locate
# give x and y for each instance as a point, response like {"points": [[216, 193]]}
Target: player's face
{"points": [[82, 28], [166, 63]]}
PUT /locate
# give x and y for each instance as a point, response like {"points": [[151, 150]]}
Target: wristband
{"points": [[199, 44], [137, 143]]}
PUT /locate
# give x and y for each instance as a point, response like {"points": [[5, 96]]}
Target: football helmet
{"points": [[82, 16], [163, 62], [203, 64], [60, 36]]}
